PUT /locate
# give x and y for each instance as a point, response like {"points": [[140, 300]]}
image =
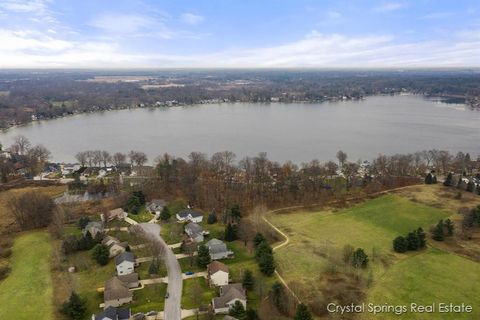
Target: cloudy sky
{"points": [[239, 33]]}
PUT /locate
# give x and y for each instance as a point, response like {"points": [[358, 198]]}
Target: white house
{"points": [[125, 263], [190, 215], [229, 294], [217, 274]]}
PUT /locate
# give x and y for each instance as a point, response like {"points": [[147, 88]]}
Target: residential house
{"points": [[156, 206], [218, 249], [194, 231], [130, 280], [115, 247], [229, 294], [94, 227], [117, 213], [112, 313], [125, 263], [116, 293], [190, 215], [217, 274]]}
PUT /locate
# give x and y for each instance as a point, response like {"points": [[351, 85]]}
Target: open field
{"points": [[371, 225], [196, 292], [27, 292], [432, 277], [316, 239], [6, 217]]}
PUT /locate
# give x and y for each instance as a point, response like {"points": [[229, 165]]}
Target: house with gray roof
{"points": [[218, 249], [194, 231], [94, 227], [156, 206], [125, 263], [229, 294], [116, 293], [189, 215], [112, 313]]}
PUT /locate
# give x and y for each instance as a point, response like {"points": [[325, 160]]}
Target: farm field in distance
{"points": [[28, 289], [312, 260]]}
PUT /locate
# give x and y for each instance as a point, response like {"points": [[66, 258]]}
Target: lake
{"points": [[298, 132]]}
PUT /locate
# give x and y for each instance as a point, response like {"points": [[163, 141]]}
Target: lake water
{"points": [[297, 132]]}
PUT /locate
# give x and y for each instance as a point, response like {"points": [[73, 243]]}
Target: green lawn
{"points": [[371, 225], [27, 291], [151, 297], [142, 216], [432, 277], [196, 292]]}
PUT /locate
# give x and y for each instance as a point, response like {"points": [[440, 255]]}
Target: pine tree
{"points": [[429, 178], [212, 218], [303, 313], [75, 308], [237, 310], [262, 248], [278, 295], [470, 186], [267, 264], [412, 240], [230, 233], [449, 226], [83, 221], [437, 233], [400, 244], [247, 280], [422, 238], [100, 254], [251, 315], [165, 214], [359, 258], [259, 238], [153, 268], [449, 180], [203, 258]]}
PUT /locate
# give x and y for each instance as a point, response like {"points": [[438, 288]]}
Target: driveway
{"points": [[172, 304]]}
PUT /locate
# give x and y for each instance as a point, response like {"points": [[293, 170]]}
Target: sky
{"points": [[239, 34]]}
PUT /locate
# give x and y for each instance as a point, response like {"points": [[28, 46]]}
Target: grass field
{"points": [[196, 292], [371, 225], [432, 277], [27, 292]]}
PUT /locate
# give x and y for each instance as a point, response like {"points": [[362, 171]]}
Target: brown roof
{"points": [[228, 293], [115, 212], [216, 266], [128, 278], [116, 289]]}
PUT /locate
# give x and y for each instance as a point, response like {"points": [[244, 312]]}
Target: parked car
{"points": [[189, 273], [167, 295]]}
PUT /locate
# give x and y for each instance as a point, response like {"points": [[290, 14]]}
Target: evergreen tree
{"points": [[262, 249], [422, 238], [412, 240], [449, 180], [153, 268], [359, 258], [429, 178], [248, 280], [303, 313], [470, 186], [237, 311], [449, 226], [83, 221], [100, 254], [165, 214], [437, 232], [267, 264], [75, 308], [400, 244], [133, 204], [203, 258], [140, 196], [230, 233], [212, 217], [259, 238], [236, 213], [278, 295]]}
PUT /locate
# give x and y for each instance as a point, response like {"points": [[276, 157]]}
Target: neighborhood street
{"points": [[172, 309]]}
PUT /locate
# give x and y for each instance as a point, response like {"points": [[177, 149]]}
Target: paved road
{"points": [[172, 304]]}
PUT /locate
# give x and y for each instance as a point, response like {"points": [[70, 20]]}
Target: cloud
{"points": [[34, 6], [437, 15], [191, 19], [390, 6], [122, 23]]}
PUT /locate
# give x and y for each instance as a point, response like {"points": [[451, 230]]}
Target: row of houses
{"points": [[218, 276]]}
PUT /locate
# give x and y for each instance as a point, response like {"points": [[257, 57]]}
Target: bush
{"points": [[75, 308], [400, 244], [165, 214], [212, 218], [359, 258]]}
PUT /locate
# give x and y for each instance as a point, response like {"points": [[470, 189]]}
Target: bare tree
{"points": [[32, 210], [342, 157], [106, 158], [20, 145], [81, 158], [118, 158], [138, 158]]}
